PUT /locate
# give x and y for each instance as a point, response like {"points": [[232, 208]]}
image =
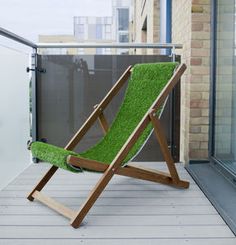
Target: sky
{"points": [[29, 18]]}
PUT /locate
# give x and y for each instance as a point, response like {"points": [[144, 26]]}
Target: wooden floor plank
{"points": [[113, 210], [191, 241], [125, 201], [115, 232], [130, 211], [107, 193], [112, 187], [114, 220]]}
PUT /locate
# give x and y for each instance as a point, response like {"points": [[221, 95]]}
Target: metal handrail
{"points": [[15, 37], [110, 45]]}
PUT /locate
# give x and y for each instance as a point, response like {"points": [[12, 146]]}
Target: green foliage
{"points": [[146, 83]]}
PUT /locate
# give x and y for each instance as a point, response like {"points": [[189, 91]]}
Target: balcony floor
{"points": [[130, 211]]}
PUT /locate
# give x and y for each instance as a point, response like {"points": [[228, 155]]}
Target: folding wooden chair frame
{"points": [[115, 167]]}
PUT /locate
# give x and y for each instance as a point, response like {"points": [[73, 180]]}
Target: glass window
{"points": [[99, 51], [80, 51], [80, 28], [108, 20], [79, 31], [123, 19], [98, 31], [124, 38], [108, 36], [91, 31], [81, 20], [107, 50], [107, 28]]}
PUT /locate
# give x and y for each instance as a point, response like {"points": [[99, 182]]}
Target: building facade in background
{"points": [[93, 29], [57, 39], [107, 29], [121, 12], [146, 23], [89, 29]]}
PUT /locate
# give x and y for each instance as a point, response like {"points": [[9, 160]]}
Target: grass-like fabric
{"points": [[145, 84], [52, 154]]}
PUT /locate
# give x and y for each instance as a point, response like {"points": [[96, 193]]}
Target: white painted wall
{"points": [[14, 114]]}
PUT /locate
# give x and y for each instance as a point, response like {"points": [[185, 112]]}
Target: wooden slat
{"points": [[103, 122], [150, 175], [54, 205], [130, 171], [86, 163]]}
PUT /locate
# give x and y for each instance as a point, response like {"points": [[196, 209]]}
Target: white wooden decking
{"points": [[130, 211]]}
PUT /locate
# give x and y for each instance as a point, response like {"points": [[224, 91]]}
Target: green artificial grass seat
{"points": [[53, 154], [145, 84]]}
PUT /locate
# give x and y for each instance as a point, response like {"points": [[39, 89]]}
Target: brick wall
{"points": [[191, 27]]}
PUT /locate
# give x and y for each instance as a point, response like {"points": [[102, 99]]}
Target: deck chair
{"points": [[148, 88]]}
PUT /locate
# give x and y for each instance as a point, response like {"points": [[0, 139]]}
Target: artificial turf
{"points": [[145, 84]]}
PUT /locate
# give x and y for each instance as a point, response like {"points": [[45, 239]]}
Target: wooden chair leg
{"points": [[42, 182], [164, 146], [103, 122], [95, 193]]}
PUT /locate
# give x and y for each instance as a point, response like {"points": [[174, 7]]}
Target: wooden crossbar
{"points": [[51, 203], [102, 121], [129, 170]]}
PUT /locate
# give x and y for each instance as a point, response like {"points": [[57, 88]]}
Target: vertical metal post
{"points": [[172, 114], [34, 130], [213, 79], [173, 53]]}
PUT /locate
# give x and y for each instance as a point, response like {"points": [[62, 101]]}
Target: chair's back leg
{"points": [[159, 133]]}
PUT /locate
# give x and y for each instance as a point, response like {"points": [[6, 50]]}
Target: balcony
{"points": [[129, 210]]}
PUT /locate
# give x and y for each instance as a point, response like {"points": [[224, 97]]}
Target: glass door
{"points": [[224, 150]]}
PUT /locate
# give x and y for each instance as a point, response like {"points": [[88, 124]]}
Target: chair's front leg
{"points": [[108, 174], [42, 182], [95, 193]]}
